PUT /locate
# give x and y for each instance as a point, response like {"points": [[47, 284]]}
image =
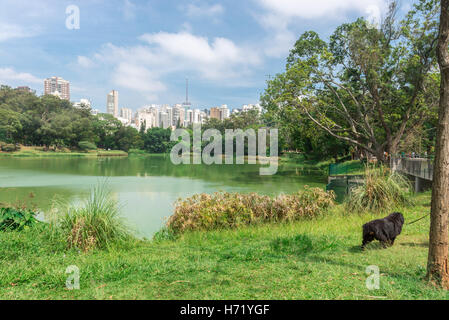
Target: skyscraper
{"points": [[57, 86], [215, 113], [112, 103], [127, 114]]}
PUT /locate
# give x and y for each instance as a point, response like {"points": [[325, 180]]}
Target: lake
{"points": [[145, 187]]}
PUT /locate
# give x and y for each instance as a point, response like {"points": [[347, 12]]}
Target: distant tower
{"points": [[187, 104]]}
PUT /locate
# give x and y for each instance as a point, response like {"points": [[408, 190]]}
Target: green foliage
{"points": [[86, 145], [380, 191], [157, 140], [9, 147], [96, 224], [367, 87], [51, 122], [233, 210], [17, 219]]}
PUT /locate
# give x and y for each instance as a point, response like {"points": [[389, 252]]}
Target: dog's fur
{"points": [[385, 230]]}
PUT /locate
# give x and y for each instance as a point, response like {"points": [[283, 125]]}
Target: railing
{"points": [[418, 167]]}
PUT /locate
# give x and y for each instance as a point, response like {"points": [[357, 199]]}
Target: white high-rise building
{"points": [[196, 116], [178, 116], [127, 114], [112, 103], [224, 112], [164, 120], [169, 110]]}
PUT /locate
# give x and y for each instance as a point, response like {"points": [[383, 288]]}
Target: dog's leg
{"points": [[392, 241], [366, 240], [385, 244]]}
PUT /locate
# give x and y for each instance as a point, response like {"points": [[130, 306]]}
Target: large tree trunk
{"points": [[437, 265]]}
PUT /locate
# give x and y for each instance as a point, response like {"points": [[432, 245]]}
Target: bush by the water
{"points": [[86, 146], [96, 224], [17, 219], [231, 210], [381, 190], [9, 147]]}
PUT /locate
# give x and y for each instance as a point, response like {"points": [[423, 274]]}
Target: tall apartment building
{"points": [[179, 115], [224, 112], [215, 113], [57, 86], [127, 114], [112, 103], [164, 120]]}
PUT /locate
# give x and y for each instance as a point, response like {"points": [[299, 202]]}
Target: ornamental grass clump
{"points": [[223, 210], [95, 224], [381, 190]]}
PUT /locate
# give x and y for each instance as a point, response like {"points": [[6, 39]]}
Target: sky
{"points": [[146, 49]]}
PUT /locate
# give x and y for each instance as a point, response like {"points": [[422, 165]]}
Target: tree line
{"points": [[53, 123]]}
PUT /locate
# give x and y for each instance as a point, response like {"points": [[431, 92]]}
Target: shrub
{"points": [[232, 210], [137, 152], [96, 224], [86, 146], [17, 219], [380, 190], [9, 148]]}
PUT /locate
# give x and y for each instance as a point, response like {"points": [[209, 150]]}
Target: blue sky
{"points": [[146, 49]]}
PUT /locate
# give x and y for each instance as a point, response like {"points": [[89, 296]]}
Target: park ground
{"points": [[309, 259], [34, 152]]}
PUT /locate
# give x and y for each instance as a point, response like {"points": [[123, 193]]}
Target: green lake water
{"points": [[145, 187]]}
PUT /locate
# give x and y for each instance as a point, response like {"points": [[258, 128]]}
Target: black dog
{"points": [[385, 230]]}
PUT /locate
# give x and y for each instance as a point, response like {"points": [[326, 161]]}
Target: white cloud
{"points": [[12, 31], [278, 17], [193, 10], [132, 76], [85, 62], [315, 9], [129, 10], [9, 75], [143, 67]]}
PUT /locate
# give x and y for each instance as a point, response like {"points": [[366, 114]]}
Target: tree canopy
{"points": [[368, 87]]}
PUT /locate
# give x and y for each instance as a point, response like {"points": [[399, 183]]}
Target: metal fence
{"points": [[342, 185]]}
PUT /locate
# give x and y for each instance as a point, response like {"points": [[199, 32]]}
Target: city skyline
{"points": [[147, 49], [61, 88]]}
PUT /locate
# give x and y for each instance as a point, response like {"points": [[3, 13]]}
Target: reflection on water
{"points": [[146, 187]]}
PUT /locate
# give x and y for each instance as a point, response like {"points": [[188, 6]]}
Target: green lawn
{"points": [[36, 153], [314, 259]]}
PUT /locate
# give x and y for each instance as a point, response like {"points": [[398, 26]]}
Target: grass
{"points": [[95, 224], [380, 189], [26, 152], [311, 259]]}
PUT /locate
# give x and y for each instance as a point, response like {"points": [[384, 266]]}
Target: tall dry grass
{"points": [[381, 190], [223, 210], [95, 224]]}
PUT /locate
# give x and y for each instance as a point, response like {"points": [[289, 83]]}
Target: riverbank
{"points": [[310, 259], [37, 152]]}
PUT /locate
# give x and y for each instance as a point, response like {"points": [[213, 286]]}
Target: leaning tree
{"points": [[369, 85]]}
